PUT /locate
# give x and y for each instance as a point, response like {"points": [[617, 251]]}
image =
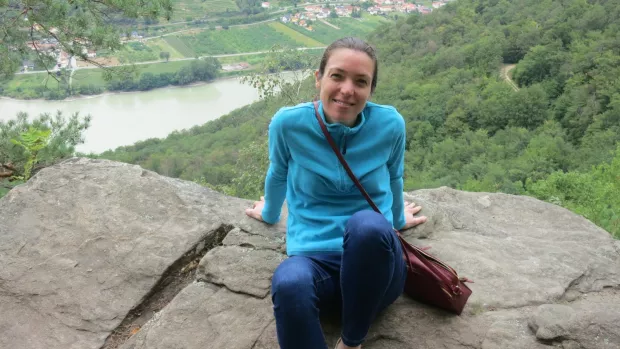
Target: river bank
{"points": [[124, 118], [107, 92], [29, 88]]}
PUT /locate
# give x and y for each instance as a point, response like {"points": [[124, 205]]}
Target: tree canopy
{"points": [[76, 26]]}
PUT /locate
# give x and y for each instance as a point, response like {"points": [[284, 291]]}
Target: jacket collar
{"points": [[341, 128]]}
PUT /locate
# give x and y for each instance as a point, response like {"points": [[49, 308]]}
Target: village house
{"points": [[324, 13], [42, 45], [387, 6], [265, 4], [345, 11], [424, 10], [313, 8], [408, 8], [89, 53]]}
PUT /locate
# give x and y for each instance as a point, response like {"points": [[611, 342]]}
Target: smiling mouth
{"points": [[342, 103]]}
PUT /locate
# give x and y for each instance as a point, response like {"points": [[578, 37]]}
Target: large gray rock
{"points": [[94, 251]]}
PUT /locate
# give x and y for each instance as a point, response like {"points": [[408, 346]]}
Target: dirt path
{"points": [[505, 74], [329, 24]]}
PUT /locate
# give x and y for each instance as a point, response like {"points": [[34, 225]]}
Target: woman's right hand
{"points": [[257, 209]]}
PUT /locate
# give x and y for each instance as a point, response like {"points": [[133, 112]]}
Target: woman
{"points": [[342, 255]]}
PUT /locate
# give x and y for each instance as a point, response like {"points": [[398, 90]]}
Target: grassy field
{"points": [[257, 59], [352, 26], [159, 45], [134, 52], [194, 9], [251, 38], [180, 46], [295, 35]]}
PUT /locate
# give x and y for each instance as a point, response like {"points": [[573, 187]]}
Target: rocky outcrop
{"points": [[99, 254]]}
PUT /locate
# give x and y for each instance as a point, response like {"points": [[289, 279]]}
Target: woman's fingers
{"points": [[414, 210], [419, 220], [253, 213]]}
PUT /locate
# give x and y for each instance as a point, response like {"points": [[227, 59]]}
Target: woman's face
{"points": [[345, 85]]}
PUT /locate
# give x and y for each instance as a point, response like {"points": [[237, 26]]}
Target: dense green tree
{"points": [[30, 145], [73, 26]]}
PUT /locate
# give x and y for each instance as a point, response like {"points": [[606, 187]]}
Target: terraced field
{"points": [[295, 35], [261, 37], [159, 45], [236, 40], [180, 45], [194, 9], [348, 27]]}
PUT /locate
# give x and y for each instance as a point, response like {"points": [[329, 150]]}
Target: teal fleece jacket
{"points": [[320, 195]]}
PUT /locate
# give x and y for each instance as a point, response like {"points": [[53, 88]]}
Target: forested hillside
{"points": [[553, 136]]}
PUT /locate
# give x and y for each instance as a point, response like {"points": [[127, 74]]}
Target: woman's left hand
{"points": [[410, 219]]}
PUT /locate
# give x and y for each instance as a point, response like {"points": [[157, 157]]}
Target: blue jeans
{"points": [[362, 281]]}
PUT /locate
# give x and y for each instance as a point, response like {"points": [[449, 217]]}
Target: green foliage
{"points": [[164, 55], [594, 194], [75, 26], [32, 141], [198, 70], [43, 141], [249, 174], [134, 52], [283, 71]]}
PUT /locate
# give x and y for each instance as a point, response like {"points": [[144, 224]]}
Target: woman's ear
{"points": [[317, 79]]}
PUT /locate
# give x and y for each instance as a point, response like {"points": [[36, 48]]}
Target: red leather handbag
{"points": [[429, 280]]}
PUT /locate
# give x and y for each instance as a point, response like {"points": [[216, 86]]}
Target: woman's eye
{"points": [[336, 76], [362, 82]]}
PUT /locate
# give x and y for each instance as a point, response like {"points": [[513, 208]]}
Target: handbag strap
{"points": [[359, 186], [341, 158]]}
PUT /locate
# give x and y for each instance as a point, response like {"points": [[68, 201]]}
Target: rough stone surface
{"points": [[231, 266], [84, 242]]}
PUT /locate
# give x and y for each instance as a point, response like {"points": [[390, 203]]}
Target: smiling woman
{"points": [[346, 78], [332, 236]]}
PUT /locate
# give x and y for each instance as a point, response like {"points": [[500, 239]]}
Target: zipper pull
{"points": [[344, 145]]}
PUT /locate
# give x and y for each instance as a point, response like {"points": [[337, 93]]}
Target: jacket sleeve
{"points": [[396, 167], [275, 182]]}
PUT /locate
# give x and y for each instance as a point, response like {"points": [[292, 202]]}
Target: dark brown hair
{"points": [[351, 43]]}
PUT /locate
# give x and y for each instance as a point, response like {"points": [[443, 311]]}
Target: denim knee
{"points": [[292, 284], [368, 227]]}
